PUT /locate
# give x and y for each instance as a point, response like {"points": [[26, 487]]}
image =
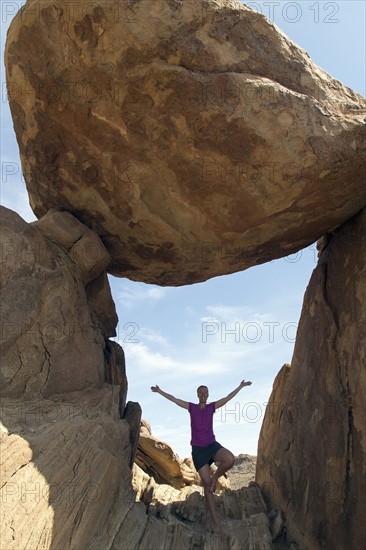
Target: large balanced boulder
{"points": [[193, 136], [312, 448]]}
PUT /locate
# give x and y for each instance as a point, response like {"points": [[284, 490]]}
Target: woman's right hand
{"points": [[155, 389]]}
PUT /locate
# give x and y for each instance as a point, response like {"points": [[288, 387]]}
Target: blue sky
{"points": [[240, 326]]}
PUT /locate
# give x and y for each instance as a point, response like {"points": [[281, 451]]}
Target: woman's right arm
{"points": [[179, 402]]}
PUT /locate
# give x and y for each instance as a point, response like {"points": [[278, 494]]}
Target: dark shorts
{"points": [[204, 455]]}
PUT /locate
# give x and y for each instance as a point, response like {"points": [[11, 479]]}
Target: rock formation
{"points": [[66, 481], [66, 452], [164, 466], [192, 136], [186, 521], [48, 325], [312, 449], [68, 439], [158, 459], [242, 472], [170, 142]]}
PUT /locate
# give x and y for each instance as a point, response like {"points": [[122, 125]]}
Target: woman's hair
{"points": [[199, 387]]}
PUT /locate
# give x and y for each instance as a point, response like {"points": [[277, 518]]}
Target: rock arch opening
{"points": [[201, 143]]}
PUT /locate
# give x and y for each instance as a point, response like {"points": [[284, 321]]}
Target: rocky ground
{"points": [[243, 471], [180, 519], [161, 482]]}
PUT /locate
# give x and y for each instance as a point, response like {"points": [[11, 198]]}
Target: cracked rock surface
{"points": [[311, 459], [179, 518], [194, 137], [65, 477], [66, 483], [57, 311]]}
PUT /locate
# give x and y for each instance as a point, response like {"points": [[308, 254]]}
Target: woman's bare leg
{"points": [[205, 476], [226, 459]]}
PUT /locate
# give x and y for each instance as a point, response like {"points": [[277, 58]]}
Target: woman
{"points": [[205, 448]]}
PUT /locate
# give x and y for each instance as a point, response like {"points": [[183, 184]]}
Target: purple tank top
{"points": [[201, 424]]}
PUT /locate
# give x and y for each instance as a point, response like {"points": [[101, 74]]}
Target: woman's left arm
{"points": [[224, 400]]}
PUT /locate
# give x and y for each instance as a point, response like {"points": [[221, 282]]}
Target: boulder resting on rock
{"points": [[193, 137]]}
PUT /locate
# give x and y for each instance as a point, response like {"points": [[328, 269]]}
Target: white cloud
{"points": [[229, 312], [133, 294], [153, 336], [155, 292], [209, 319], [232, 314], [145, 360]]}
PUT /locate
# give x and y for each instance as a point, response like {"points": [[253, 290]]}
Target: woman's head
{"points": [[202, 393]]}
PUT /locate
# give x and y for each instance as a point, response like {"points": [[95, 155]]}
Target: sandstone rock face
{"points": [[62, 437], [159, 460], [192, 136], [66, 482], [115, 371], [132, 415], [57, 310], [52, 336], [312, 450]]}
